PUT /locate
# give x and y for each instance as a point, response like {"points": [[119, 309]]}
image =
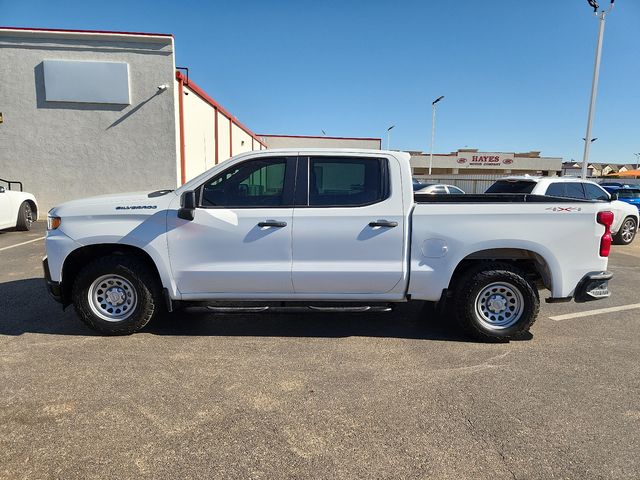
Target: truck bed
{"points": [[496, 198]]}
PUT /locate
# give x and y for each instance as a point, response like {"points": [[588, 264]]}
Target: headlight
{"points": [[53, 222]]}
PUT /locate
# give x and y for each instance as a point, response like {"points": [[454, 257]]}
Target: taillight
{"points": [[606, 219]]}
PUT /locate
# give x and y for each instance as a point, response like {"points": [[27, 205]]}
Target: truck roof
{"points": [[363, 151]]}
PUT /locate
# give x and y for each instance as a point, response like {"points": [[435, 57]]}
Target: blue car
{"points": [[625, 193]]}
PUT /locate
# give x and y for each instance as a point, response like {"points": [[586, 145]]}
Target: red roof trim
{"points": [[202, 94], [106, 32], [313, 136]]}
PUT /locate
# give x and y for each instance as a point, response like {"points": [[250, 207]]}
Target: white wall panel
{"points": [[86, 82], [199, 134]]}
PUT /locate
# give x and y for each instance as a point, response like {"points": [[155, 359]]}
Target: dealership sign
{"points": [[475, 159]]}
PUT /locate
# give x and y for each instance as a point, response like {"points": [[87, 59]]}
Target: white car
{"points": [[18, 209], [626, 217], [440, 189], [328, 230]]}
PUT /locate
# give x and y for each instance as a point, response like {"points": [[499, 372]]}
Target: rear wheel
{"points": [[496, 302], [117, 295], [25, 217], [627, 232]]}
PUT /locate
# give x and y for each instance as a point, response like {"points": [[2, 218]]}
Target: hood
{"points": [[138, 202], [628, 208]]}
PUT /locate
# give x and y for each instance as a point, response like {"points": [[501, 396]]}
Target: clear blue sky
{"points": [[516, 74]]}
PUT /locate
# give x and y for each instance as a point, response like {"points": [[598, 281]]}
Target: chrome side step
{"points": [[237, 309], [299, 308]]}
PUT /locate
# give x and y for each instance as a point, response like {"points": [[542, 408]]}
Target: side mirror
{"points": [[187, 209], [614, 196], [2, 189]]}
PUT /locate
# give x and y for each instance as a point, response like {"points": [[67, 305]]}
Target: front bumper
{"points": [[54, 288], [593, 286]]}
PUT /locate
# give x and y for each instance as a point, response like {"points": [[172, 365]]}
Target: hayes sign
{"points": [[473, 159]]}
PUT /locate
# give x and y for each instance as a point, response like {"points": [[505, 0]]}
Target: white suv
{"points": [[626, 219]]}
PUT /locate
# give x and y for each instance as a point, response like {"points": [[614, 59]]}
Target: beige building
{"points": [[474, 162], [306, 141]]}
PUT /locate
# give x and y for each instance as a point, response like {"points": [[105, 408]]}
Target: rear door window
{"points": [[594, 192], [347, 182], [566, 190], [575, 190]]}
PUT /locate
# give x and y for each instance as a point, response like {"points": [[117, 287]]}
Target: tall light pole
{"points": [[594, 84], [433, 129], [637, 156], [389, 136]]}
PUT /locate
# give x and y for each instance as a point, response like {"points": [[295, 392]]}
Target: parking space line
{"points": [[588, 313], [23, 243]]}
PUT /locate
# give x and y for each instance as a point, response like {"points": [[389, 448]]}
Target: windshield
{"points": [[511, 186]]}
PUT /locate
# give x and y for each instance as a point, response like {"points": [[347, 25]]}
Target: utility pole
{"points": [[389, 136], [594, 83], [433, 129]]}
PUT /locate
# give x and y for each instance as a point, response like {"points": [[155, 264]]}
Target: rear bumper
{"points": [[593, 286], [54, 288]]}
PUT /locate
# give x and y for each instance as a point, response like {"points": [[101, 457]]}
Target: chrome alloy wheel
{"points": [[499, 305], [627, 231], [112, 298]]}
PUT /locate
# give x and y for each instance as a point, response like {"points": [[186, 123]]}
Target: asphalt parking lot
{"points": [[398, 395]]}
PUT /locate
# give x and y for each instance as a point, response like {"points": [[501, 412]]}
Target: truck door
{"points": [[348, 226], [240, 239]]}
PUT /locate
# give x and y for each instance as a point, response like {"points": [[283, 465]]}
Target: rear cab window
{"points": [[512, 186]]}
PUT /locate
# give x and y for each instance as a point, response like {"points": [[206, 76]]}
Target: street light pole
{"points": [[637, 156], [389, 136], [594, 83], [433, 129]]}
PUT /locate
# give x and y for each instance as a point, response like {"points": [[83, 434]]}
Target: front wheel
{"points": [[116, 295], [627, 232], [497, 302]]}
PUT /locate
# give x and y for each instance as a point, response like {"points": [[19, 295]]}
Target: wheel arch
{"points": [[74, 262], [532, 263]]}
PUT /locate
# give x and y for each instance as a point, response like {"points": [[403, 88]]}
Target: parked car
{"points": [[332, 230], [440, 189], [18, 209], [628, 194], [626, 217]]}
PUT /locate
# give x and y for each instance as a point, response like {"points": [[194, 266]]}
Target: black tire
{"points": [[132, 274], [25, 217], [627, 232], [498, 286]]}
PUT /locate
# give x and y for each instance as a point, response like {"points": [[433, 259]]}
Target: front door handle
{"points": [[272, 223], [383, 223]]}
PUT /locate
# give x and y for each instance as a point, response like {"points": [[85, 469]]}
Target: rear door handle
{"points": [[272, 223], [383, 223]]}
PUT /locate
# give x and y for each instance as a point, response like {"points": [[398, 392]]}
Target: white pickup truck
{"points": [[327, 230]]}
